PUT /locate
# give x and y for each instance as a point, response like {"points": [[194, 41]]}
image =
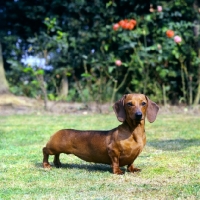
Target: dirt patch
{"points": [[10, 104]]}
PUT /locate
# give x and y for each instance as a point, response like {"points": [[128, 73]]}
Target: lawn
{"points": [[170, 162]]}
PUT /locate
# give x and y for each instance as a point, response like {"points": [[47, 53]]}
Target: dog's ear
{"points": [[152, 110], [118, 107]]}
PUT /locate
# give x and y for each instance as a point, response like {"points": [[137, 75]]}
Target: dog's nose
{"points": [[138, 115]]}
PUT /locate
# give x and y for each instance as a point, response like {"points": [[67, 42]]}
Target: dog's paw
{"points": [[46, 165], [118, 172], [58, 164], [133, 169], [136, 170]]}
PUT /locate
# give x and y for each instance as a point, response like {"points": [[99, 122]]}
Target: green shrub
{"points": [[104, 59]]}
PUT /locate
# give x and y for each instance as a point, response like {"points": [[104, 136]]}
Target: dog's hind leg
{"points": [[132, 169], [46, 158], [56, 161]]}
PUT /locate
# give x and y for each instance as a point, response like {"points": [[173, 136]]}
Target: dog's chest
{"points": [[129, 150]]}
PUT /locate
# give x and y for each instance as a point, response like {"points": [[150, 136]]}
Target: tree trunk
{"points": [[64, 87], [4, 88], [196, 34], [197, 97], [40, 79]]}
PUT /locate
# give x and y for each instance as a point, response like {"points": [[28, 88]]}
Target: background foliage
{"points": [[74, 49]]}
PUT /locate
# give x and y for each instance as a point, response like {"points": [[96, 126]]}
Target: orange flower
{"points": [[126, 24], [122, 23], [170, 33], [132, 21], [130, 26]]}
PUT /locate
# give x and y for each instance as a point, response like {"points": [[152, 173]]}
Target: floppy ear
{"points": [[152, 110], [118, 107]]}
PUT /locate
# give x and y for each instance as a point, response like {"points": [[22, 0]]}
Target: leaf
{"points": [[110, 69], [84, 56], [40, 72], [108, 4], [68, 74], [86, 75], [163, 73], [125, 64], [27, 69], [106, 47], [51, 96], [34, 82]]}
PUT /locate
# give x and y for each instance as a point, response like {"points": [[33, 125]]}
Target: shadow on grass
{"points": [[88, 167], [173, 145]]}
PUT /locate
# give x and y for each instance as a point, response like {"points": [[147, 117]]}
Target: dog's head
{"points": [[136, 107]]}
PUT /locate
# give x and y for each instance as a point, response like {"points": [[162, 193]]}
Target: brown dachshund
{"points": [[117, 147]]}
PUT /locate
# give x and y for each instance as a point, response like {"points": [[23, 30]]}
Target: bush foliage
{"points": [[93, 48]]}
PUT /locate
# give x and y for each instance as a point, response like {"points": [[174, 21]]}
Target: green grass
{"points": [[170, 162]]}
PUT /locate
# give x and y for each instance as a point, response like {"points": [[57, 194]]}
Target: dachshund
{"points": [[117, 147]]}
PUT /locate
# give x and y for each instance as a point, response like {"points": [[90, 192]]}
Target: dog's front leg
{"points": [[115, 162], [115, 166]]}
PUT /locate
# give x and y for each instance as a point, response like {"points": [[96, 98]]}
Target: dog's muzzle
{"points": [[138, 115]]}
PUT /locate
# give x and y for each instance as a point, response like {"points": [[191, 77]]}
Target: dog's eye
{"points": [[129, 104], [143, 103]]}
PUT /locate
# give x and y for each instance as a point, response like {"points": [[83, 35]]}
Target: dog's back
{"points": [[90, 146]]}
